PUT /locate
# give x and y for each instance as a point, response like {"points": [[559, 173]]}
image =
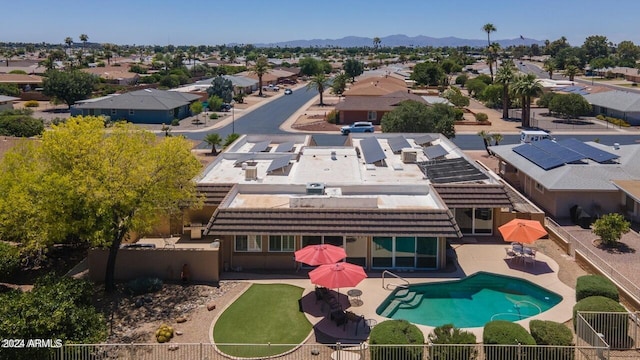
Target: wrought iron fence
{"points": [[619, 330], [575, 245], [335, 352]]}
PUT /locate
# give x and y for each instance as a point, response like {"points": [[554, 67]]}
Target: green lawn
{"points": [[263, 314]]}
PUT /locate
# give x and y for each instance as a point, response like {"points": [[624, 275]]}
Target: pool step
{"points": [[408, 296], [391, 308], [402, 293], [413, 303]]}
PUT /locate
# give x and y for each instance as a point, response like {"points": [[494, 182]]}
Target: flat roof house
{"points": [[148, 106], [558, 175], [391, 200]]}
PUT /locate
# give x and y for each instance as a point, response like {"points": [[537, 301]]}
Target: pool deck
{"points": [[471, 259]]}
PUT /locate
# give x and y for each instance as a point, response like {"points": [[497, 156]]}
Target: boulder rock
{"points": [[211, 305], [181, 319]]}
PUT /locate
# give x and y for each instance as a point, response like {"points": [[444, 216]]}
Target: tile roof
{"points": [[376, 103], [20, 79], [372, 86], [147, 99], [213, 193], [631, 187], [349, 222], [473, 195]]}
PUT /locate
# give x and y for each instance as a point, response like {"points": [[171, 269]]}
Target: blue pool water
{"points": [[470, 302]]}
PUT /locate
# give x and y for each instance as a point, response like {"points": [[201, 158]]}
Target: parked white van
{"points": [[527, 136]]}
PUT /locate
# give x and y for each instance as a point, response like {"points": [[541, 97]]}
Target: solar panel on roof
{"points": [[285, 146], [451, 171], [538, 157], [371, 150], [279, 163], [243, 158], [423, 139], [588, 151], [551, 147], [261, 146], [435, 151], [398, 143]]}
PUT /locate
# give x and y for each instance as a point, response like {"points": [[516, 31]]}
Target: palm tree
{"points": [[260, 68], [526, 87], [571, 71], [505, 75], [68, 40], [376, 42], [84, 38], [489, 28], [549, 67], [318, 82], [485, 138], [497, 138], [214, 140]]}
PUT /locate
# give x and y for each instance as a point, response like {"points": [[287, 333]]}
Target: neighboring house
{"points": [[372, 108], [376, 86], [148, 106], [274, 76], [24, 82], [618, 104], [114, 75], [391, 200], [6, 102], [243, 84], [584, 174]]}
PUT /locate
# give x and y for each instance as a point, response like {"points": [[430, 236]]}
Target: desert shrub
{"points": [[164, 333], [552, 333], [604, 320], [32, 104], [143, 285], [600, 117], [175, 122], [480, 117], [459, 114], [450, 335], [9, 260], [461, 79], [333, 117], [610, 228], [230, 139], [595, 285], [616, 121], [396, 332], [500, 332], [545, 99], [213, 116]]}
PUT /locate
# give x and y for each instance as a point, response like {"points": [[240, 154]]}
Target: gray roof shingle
{"points": [[147, 99], [617, 100]]}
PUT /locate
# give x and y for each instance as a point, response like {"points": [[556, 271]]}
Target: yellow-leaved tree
{"points": [[86, 183]]}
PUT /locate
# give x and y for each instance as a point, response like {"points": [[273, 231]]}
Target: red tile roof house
{"points": [[372, 108]]}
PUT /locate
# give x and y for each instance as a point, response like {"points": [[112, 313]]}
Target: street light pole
{"points": [[233, 119]]}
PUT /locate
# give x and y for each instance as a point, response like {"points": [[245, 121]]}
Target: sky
{"points": [[213, 22]]}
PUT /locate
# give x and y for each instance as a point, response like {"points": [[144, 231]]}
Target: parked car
{"points": [[225, 107], [288, 92], [360, 126]]}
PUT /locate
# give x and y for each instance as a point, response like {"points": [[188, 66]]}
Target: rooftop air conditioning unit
{"points": [[315, 189], [251, 173], [409, 156]]}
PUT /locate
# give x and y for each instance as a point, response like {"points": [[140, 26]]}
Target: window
{"points": [[248, 243], [132, 112], [539, 187], [281, 243], [114, 111], [372, 116]]}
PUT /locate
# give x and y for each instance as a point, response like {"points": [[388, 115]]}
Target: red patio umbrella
{"points": [[320, 254], [522, 231], [337, 275]]}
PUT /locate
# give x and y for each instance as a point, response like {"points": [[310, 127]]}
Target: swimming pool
{"points": [[470, 302]]}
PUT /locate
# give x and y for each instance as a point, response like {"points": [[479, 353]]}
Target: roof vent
{"points": [[315, 188], [251, 173], [616, 146], [333, 155]]}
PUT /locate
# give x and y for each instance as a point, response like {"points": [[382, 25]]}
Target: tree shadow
{"points": [[572, 122], [617, 248]]}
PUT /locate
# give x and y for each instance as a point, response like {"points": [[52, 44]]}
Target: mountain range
{"points": [[400, 40]]}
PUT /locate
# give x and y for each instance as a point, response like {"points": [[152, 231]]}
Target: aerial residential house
{"points": [[618, 104], [118, 75], [24, 82], [391, 200], [148, 106], [560, 175], [372, 108]]}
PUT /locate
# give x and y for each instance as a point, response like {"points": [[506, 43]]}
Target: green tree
{"points": [[455, 96], [84, 183], [428, 73], [486, 138], [492, 95], [451, 335], [353, 68], [56, 308], [569, 105], [339, 84], [309, 66], [462, 79], [9, 90], [497, 138], [571, 71], [489, 28], [376, 42], [319, 82], [213, 139], [596, 46], [526, 87], [610, 228], [475, 87], [416, 117], [549, 66], [230, 139], [215, 103], [84, 38], [20, 123], [627, 53], [504, 76], [68, 86], [196, 108], [222, 88], [260, 68], [69, 41]]}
